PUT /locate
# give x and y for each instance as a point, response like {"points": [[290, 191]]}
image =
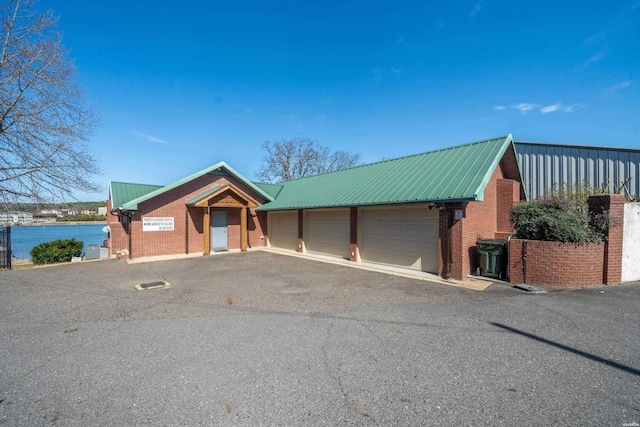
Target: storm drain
{"points": [[529, 288], [152, 285]]}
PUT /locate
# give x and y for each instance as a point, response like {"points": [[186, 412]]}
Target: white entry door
{"points": [[219, 241]]}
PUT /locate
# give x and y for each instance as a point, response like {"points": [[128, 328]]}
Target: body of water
{"points": [[24, 238]]}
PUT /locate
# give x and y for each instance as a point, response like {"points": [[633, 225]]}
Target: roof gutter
{"points": [[265, 207]]}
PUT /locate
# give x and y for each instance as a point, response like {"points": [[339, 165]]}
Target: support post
{"points": [[243, 229], [354, 252], [613, 206], [301, 246], [207, 231]]}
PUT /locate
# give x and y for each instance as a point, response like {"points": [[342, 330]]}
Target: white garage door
{"points": [[282, 229], [327, 232], [406, 237]]}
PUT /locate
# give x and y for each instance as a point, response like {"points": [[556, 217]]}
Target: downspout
{"points": [[509, 256], [524, 262], [127, 215]]}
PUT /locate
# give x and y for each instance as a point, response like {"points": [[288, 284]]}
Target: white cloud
{"points": [[321, 117], [149, 138], [619, 86], [595, 58], [440, 25], [499, 107], [476, 8], [556, 107], [524, 107], [550, 108]]}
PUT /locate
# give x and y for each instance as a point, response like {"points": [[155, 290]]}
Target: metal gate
{"points": [[5, 248]]}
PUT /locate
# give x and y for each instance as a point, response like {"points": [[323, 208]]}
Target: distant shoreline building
{"points": [[13, 218]]}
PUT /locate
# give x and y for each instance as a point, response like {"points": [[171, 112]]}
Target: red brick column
{"points": [[301, 246], [508, 195], [354, 253], [614, 205], [450, 244], [442, 242]]}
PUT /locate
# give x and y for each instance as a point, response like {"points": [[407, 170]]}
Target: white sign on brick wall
{"points": [[157, 223]]}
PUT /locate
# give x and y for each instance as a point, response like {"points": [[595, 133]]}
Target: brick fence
{"points": [[567, 265], [571, 264]]}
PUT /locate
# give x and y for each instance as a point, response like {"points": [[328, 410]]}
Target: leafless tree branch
{"points": [[300, 157], [44, 124]]}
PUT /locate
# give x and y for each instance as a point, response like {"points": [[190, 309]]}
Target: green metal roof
{"points": [[449, 175], [204, 195], [122, 192], [272, 189], [132, 204]]}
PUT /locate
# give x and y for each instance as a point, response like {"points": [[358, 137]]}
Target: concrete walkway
{"points": [[473, 283]]}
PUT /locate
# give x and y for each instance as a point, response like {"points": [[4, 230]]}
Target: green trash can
{"points": [[492, 258]]}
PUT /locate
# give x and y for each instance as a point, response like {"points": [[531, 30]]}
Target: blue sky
{"points": [[179, 86]]}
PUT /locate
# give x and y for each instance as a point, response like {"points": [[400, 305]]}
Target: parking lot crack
{"points": [[336, 376]]}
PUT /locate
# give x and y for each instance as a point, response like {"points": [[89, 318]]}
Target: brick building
{"points": [[422, 212]]}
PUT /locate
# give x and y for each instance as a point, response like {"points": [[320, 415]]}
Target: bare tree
{"points": [[300, 157], [44, 124]]}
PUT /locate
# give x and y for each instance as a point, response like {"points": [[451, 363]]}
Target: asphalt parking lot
{"points": [[264, 339]]}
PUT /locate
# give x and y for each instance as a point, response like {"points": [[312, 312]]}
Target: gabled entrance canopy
{"points": [[223, 196]]}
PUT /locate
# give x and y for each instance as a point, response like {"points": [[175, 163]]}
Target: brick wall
{"points": [[509, 165], [508, 194], [570, 264], [188, 233], [565, 265], [257, 225], [486, 219], [479, 221], [118, 238]]}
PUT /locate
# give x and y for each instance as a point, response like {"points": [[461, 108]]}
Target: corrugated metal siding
{"points": [[544, 166]]}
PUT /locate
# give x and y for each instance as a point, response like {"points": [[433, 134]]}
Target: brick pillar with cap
{"points": [[613, 204]]}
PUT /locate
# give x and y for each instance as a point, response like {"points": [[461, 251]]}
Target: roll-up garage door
{"points": [[327, 231], [406, 236], [282, 229]]}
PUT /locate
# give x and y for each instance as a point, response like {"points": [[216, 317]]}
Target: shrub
{"points": [[576, 194], [82, 217], [556, 220], [56, 251]]}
